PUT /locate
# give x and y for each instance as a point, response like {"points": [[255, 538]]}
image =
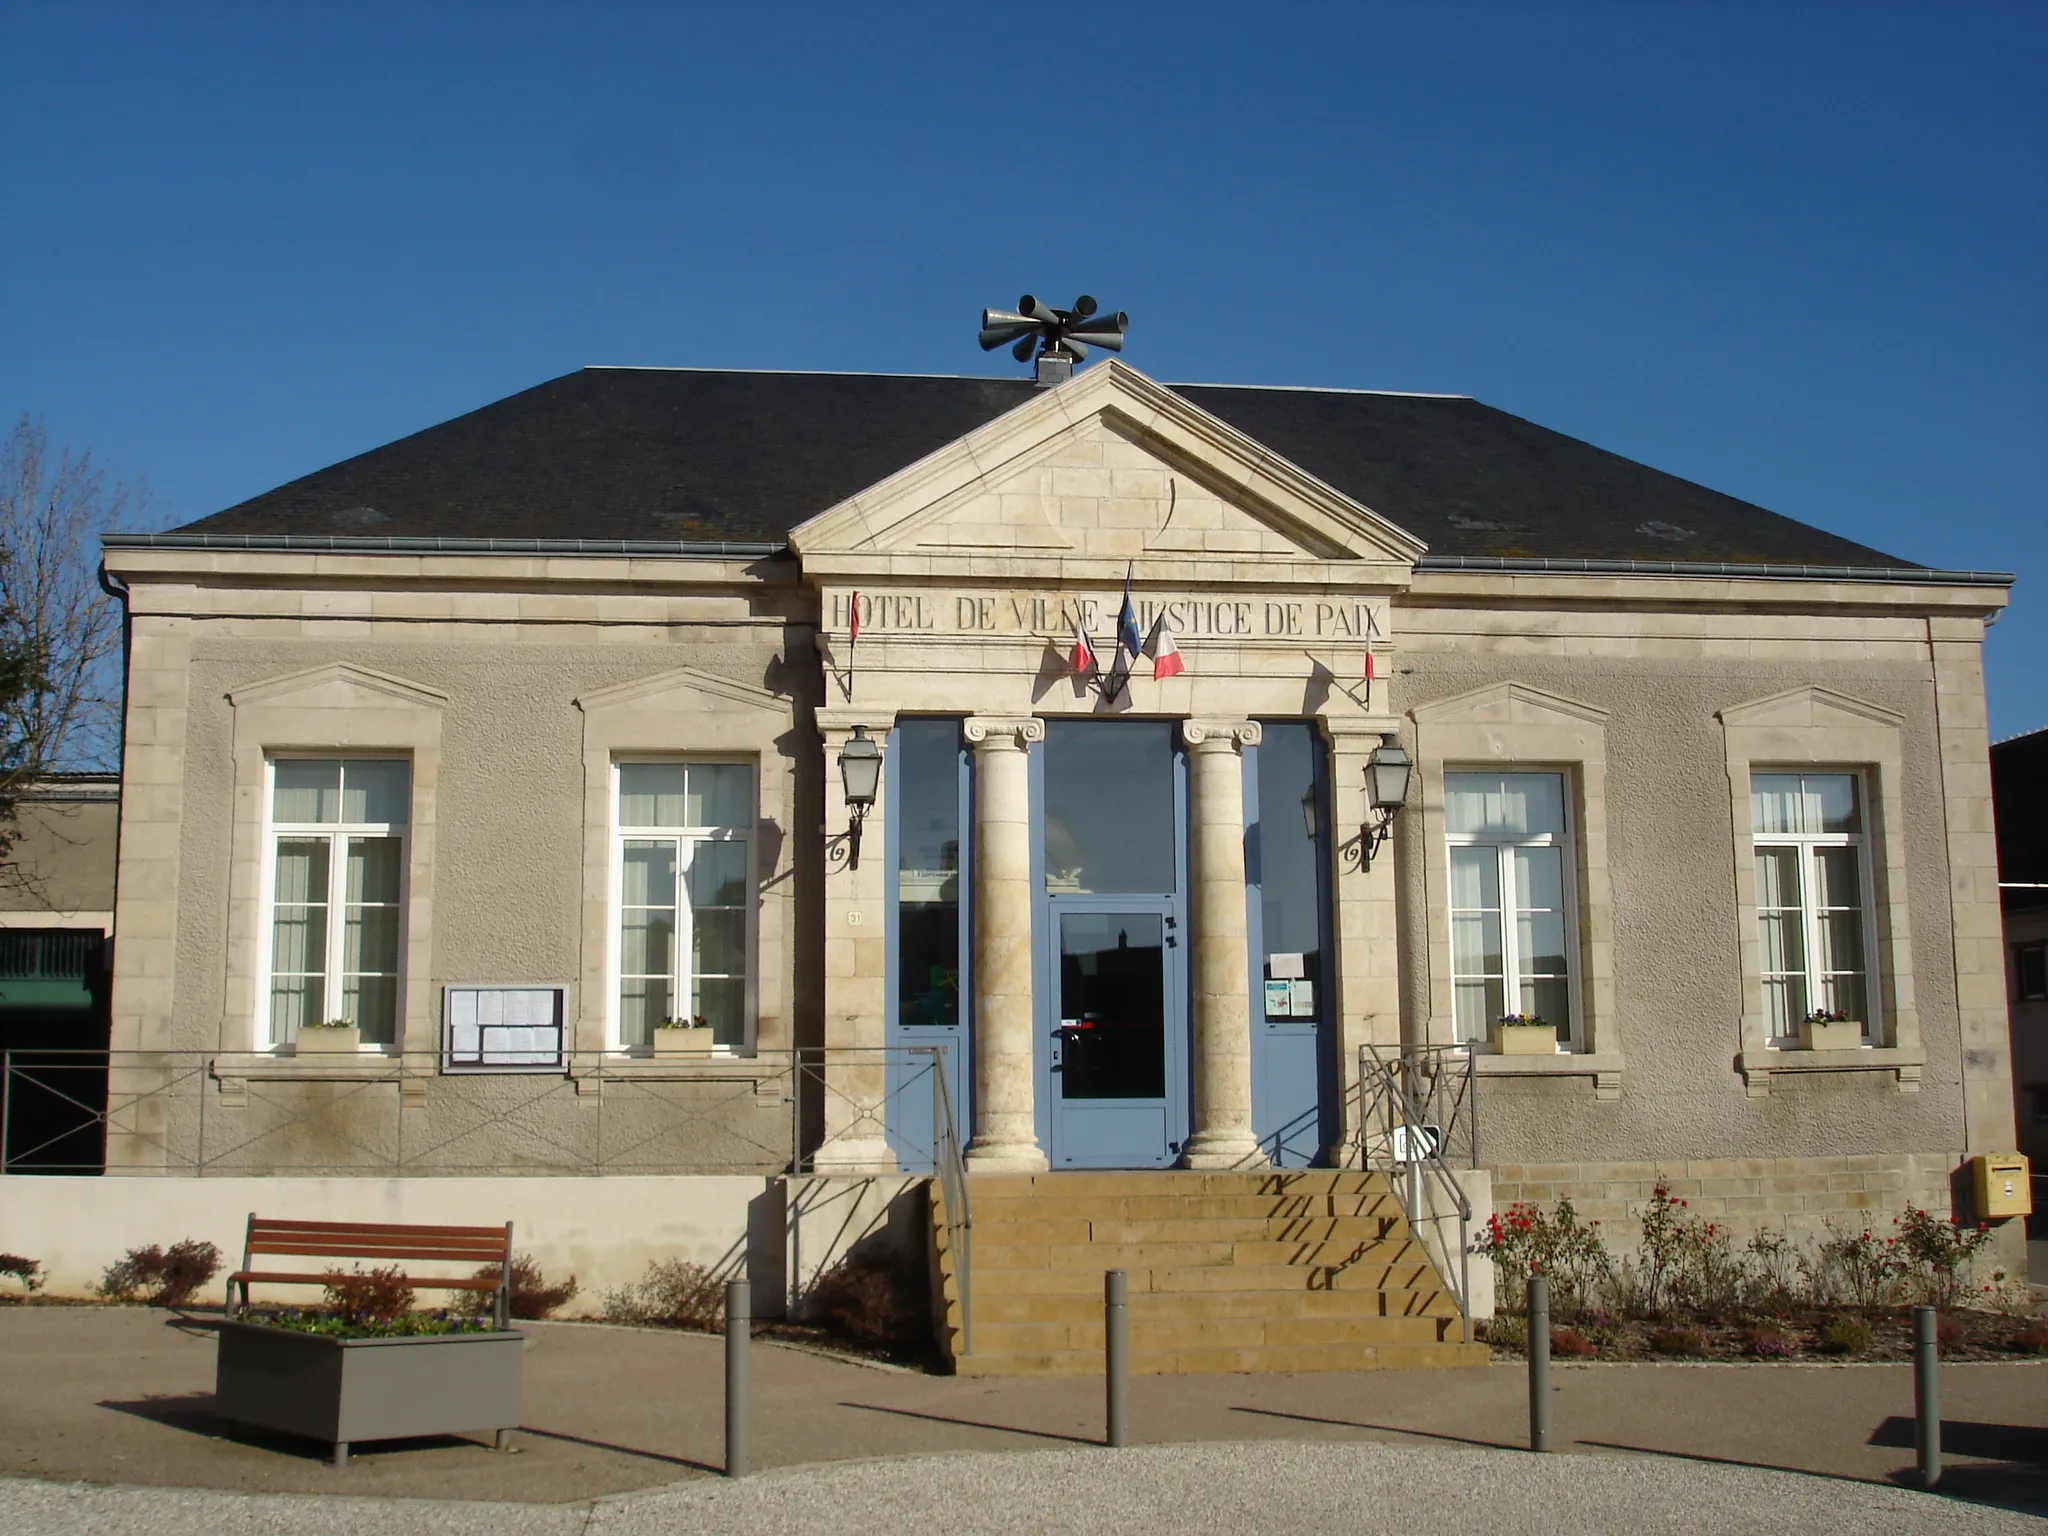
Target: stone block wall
{"points": [[1747, 1194]]}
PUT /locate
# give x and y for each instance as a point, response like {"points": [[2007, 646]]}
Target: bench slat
{"points": [[393, 1250], [434, 1282], [371, 1229]]}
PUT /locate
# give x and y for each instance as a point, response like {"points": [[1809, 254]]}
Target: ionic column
{"points": [[1222, 1136], [1005, 1110], [856, 1076]]}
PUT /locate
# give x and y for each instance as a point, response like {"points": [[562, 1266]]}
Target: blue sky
{"points": [[1794, 251]]}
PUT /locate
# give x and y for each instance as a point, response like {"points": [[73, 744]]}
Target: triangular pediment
{"points": [[684, 688], [1508, 704], [338, 685], [1808, 709], [1107, 467]]}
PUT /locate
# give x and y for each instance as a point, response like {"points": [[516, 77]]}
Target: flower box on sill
{"points": [[1830, 1034], [327, 1039], [673, 1040], [1519, 1035]]}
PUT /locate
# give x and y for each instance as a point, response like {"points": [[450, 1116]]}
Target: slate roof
{"points": [[698, 455]]}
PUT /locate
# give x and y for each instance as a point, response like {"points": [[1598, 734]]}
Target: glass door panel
{"points": [[1112, 1006]]}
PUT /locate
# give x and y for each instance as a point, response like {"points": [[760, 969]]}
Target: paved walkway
{"points": [[623, 1428]]}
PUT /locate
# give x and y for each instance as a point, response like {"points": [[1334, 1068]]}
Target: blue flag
{"points": [[1128, 638]]}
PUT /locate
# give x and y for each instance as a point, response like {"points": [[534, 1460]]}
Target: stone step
{"points": [[1069, 1186], [1405, 1280], [1213, 1333], [1035, 1224], [1438, 1308], [1214, 1360], [1142, 1207], [1094, 1258], [1080, 1307]]}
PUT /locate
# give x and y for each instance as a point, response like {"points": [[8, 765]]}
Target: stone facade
{"points": [[511, 682]]}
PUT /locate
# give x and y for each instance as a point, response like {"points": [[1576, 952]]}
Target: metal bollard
{"points": [[1539, 1363], [1927, 1395], [739, 1330], [1116, 1360]]}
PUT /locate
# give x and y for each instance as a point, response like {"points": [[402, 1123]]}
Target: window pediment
{"points": [[684, 688], [1509, 704], [339, 685], [1810, 708]]}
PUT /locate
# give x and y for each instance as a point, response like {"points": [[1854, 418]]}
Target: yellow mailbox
{"points": [[2001, 1184]]}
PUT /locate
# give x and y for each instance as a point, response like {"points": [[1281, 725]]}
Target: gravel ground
{"points": [[1250, 1488]]}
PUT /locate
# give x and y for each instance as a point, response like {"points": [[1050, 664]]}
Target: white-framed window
{"points": [[682, 903], [1513, 901], [333, 893], [1813, 899]]}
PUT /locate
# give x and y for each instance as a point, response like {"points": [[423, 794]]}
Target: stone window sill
{"points": [[1604, 1067], [1757, 1067]]}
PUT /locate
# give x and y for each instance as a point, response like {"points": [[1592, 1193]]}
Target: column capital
{"points": [[1220, 735], [836, 723], [1349, 734], [1003, 733]]}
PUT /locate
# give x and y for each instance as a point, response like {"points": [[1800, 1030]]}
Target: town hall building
{"points": [[682, 772]]}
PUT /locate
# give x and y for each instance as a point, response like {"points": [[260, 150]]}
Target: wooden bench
{"points": [[377, 1245]]}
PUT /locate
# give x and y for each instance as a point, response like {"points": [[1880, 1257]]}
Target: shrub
{"points": [[1846, 1336], [532, 1297], [1557, 1244], [1667, 1231], [868, 1301], [379, 1297], [162, 1277], [2032, 1339], [1767, 1344], [1571, 1344], [1941, 1251], [1859, 1269], [1679, 1341], [674, 1293], [28, 1271], [1508, 1332]]}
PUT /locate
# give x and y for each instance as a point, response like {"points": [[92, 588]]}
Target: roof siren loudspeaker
{"points": [[1060, 338]]}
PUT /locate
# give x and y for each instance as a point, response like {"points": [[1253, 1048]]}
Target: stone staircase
{"points": [[1261, 1271]]}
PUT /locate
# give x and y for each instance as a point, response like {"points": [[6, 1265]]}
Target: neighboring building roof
{"points": [[698, 455], [2019, 769]]}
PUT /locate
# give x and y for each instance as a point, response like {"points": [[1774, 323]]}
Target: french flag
{"points": [[1165, 654], [1083, 657]]}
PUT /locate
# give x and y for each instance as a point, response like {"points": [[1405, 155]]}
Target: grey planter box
{"points": [[345, 1390]]}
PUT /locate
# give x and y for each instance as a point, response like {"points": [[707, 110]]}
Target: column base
{"points": [[1221, 1151], [1007, 1157], [855, 1155]]}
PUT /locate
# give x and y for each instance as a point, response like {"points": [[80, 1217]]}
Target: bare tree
{"points": [[54, 506]]}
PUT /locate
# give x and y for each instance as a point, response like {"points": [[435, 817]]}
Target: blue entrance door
{"points": [[1118, 1070], [1111, 965]]}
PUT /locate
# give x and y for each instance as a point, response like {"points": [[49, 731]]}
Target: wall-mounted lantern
{"points": [[860, 775], [1308, 812], [1387, 773]]}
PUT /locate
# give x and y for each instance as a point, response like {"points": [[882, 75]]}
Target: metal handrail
{"points": [[205, 1113], [1412, 1106], [950, 1168]]}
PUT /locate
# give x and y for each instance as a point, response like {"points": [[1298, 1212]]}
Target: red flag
{"points": [[1371, 669], [1083, 657], [853, 622], [1165, 654]]}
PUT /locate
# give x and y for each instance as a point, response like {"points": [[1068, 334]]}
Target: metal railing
{"points": [[214, 1113], [1417, 1107], [950, 1169]]}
